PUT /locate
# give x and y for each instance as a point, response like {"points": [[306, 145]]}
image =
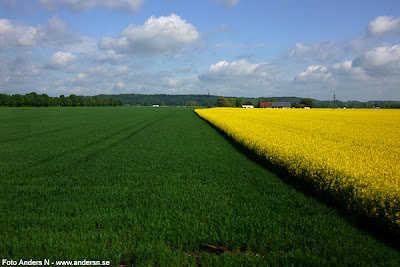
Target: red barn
{"points": [[265, 104]]}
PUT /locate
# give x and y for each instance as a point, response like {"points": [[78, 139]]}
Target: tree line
{"points": [[238, 102], [43, 100], [165, 99]]}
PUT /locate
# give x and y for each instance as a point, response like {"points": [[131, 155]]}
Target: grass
{"points": [[147, 186]]}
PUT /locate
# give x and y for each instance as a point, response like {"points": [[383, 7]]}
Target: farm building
{"points": [[265, 104], [301, 106], [247, 105], [275, 104], [281, 105], [156, 106]]}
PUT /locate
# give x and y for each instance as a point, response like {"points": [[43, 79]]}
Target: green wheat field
{"points": [[148, 186]]}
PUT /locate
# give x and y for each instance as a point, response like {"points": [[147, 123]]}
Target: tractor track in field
{"points": [[99, 151], [92, 145], [14, 139]]}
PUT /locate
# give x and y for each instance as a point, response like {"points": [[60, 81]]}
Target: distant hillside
{"points": [[185, 100], [35, 100], [205, 100]]}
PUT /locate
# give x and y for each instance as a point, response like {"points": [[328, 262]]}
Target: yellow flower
{"points": [[355, 153]]}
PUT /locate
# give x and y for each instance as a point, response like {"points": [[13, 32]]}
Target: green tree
{"points": [[56, 101], [307, 101], [239, 102], [88, 101], [65, 101], [74, 100], [191, 103], [4, 99], [46, 100], [222, 102], [19, 100], [97, 101], [81, 101], [30, 99]]}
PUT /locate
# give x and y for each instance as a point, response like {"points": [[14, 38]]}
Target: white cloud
{"points": [[335, 72], [122, 69], [237, 69], [383, 25], [158, 36], [380, 30], [60, 60], [122, 5], [103, 57], [374, 74], [82, 5], [73, 5], [120, 85], [319, 51], [314, 72], [346, 70], [55, 34], [380, 61], [171, 82], [105, 70], [301, 50], [81, 76], [239, 78], [13, 34]]}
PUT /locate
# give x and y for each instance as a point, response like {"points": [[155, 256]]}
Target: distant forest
{"points": [[43, 100], [212, 100]]}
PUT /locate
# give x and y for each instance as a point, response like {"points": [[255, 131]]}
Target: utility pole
{"points": [[334, 100], [208, 100]]}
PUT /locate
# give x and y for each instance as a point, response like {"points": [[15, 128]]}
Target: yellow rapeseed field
{"points": [[352, 153]]}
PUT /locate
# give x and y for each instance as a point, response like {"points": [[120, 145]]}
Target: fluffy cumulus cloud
{"points": [[224, 70], [60, 60], [383, 25], [374, 74], [347, 71], [363, 69], [13, 34], [319, 51], [158, 36], [314, 73], [337, 71], [239, 77], [381, 61], [81, 5], [55, 34]]}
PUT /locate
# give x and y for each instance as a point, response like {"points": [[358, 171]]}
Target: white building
{"points": [[247, 105]]}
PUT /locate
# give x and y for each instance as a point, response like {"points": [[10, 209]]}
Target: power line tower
{"points": [[208, 99], [334, 100]]}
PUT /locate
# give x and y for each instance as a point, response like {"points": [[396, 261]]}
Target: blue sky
{"points": [[228, 47]]}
